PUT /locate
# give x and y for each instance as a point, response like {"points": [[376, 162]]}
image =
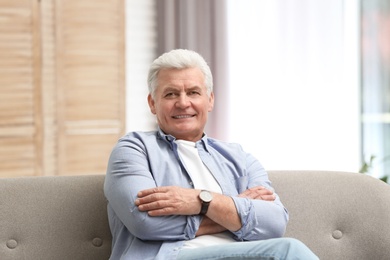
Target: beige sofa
{"points": [[338, 215]]}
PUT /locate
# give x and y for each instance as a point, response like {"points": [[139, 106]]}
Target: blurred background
{"points": [[299, 84]]}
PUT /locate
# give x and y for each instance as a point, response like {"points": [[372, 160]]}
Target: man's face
{"points": [[181, 103]]}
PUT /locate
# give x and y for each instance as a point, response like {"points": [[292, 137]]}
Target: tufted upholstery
{"points": [[53, 218], [338, 215]]}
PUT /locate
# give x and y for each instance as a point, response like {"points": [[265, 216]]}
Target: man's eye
{"points": [[170, 94], [194, 93]]}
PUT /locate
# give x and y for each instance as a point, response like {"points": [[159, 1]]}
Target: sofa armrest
{"points": [[338, 215], [54, 218]]}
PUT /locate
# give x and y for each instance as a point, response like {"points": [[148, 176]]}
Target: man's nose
{"points": [[183, 101]]}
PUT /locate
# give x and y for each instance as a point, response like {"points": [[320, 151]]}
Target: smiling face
{"points": [[181, 103]]}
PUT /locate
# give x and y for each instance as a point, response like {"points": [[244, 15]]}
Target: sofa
{"points": [[338, 215]]}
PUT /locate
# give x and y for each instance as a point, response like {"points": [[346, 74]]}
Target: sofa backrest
{"points": [[338, 215]]}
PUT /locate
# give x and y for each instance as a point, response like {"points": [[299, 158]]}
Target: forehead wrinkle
{"points": [[180, 88]]}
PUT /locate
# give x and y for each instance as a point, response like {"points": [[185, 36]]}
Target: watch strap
{"points": [[204, 208]]}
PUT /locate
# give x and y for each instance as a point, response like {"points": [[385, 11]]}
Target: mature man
{"points": [[176, 193]]}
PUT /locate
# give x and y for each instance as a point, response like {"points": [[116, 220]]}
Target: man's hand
{"points": [[169, 200], [258, 193]]}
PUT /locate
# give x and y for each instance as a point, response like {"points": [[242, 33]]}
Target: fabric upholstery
{"points": [[53, 218], [338, 215]]}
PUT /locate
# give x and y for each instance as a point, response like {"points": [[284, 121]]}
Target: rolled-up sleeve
{"points": [[260, 219]]}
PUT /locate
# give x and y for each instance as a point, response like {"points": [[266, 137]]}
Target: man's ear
{"points": [[211, 102], [151, 104]]}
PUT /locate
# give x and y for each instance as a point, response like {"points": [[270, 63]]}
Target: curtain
{"points": [[199, 25], [294, 96], [285, 75]]}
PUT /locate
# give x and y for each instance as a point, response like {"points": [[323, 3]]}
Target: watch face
{"points": [[205, 196]]}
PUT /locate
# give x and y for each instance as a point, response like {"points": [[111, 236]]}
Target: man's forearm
{"points": [[222, 210], [208, 227]]}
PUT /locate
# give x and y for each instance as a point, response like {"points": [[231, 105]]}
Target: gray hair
{"points": [[179, 59]]}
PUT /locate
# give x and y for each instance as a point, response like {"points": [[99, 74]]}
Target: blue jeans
{"points": [[276, 249]]}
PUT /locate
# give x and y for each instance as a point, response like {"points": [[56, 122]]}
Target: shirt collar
{"points": [[170, 139]]}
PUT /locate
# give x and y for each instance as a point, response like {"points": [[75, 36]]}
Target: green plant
{"points": [[369, 165]]}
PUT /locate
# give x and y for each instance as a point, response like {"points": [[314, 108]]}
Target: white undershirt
{"points": [[204, 180]]}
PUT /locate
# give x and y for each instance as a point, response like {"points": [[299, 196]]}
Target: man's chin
{"points": [[187, 133]]}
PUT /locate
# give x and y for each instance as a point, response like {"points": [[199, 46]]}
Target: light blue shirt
{"points": [[142, 160]]}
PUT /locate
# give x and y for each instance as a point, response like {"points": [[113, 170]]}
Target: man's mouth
{"points": [[182, 116]]}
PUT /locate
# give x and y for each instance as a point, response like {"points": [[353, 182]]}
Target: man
{"points": [[176, 193]]}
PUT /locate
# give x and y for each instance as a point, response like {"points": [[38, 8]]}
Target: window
{"points": [[375, 42]]}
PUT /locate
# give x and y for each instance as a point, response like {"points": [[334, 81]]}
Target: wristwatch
{"points": [[206, 197]]}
